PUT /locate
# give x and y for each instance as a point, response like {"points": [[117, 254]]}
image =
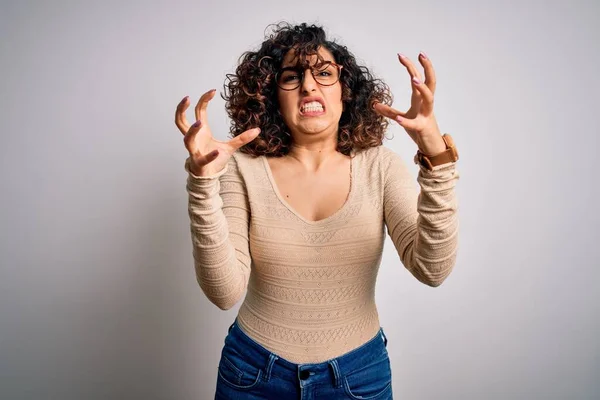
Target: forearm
{"points": [[432, 254], [221, 270]]}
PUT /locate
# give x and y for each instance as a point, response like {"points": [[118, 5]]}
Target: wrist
{"points": [[448, 155], [432, 146], [197, 172]]}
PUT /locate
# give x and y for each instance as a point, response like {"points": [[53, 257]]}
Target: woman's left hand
{"points": [[419, 121]]}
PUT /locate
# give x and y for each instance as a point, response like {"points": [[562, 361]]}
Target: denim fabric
{"points": [[249, 371]]}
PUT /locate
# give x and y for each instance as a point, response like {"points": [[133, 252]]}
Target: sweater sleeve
{"points": [[423, 226], [219, 217]]}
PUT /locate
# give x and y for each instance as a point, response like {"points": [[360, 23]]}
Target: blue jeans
{"points": [[249, 371]]}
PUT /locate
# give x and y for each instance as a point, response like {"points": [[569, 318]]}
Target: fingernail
{"points": [[400, 55], [214, 90], [196, 124], [415, 80], [214, 153], [398, 119], [423, 55], [184, 99]]}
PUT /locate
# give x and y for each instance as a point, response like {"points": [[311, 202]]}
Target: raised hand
{"points": [[207, 155], [419, 121]]}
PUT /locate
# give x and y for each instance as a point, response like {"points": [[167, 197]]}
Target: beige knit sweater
{"points": [[311, 285]]}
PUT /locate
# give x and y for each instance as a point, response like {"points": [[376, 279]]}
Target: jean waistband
{"points": [[276, 365]]}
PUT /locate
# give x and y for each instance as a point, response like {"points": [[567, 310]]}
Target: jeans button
{"points": [[304, 374]]}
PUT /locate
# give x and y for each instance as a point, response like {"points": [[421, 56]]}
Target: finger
{"points": [[244, 138], [180, 119], [426, 96], [202, 104], [387, 111], [412, 70], [430, 79], [410, 125], [190, 136], [202, 160]]}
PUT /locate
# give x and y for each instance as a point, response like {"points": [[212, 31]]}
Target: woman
{"points": [[294, 209]]}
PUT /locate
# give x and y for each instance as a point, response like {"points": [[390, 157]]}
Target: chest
{"points": [[311, 220], [313, 195]]}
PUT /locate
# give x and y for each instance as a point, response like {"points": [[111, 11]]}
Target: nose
{"points": [[309, 84]]}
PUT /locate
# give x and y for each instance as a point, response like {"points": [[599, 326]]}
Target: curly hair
{"points": [[251, 93]]}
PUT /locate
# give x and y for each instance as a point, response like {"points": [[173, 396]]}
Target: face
{"points": [[311, 120]]}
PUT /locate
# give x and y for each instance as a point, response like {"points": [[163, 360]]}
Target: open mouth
{"points": [[313, 107]]}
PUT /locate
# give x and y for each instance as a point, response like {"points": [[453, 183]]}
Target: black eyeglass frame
{"points": [[312, 69]]}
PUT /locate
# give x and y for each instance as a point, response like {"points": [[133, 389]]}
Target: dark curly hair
{"points": [[251, 93]]}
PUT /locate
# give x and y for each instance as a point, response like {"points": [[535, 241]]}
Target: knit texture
{"points": [[310, 286]]}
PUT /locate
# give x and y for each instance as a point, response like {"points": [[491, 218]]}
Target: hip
{"points": [[247, 370]]}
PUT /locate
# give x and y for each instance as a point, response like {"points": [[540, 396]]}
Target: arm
{"points": [[219, 217], [423, 227]]}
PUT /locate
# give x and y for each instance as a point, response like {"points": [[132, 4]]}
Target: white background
{"points": [[98, 298]]}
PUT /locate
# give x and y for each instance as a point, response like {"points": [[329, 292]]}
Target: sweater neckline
{"points": [[282, 200]]}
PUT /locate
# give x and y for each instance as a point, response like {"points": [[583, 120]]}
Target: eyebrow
{"points": [[298, 66]]}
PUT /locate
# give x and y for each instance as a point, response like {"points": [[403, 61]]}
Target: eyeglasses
{"points": [[326, 74]]}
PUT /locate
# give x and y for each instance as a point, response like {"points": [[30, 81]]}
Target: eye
{"points": [[290, 78]]}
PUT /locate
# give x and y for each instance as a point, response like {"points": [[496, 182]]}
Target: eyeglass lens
{"points": [[325, 74]]}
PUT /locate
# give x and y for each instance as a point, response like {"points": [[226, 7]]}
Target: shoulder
{"points": [[241, 162], [243, 158], [380, 157], [386, 154], [368, 156], [387, 164], [377, 152], [245, 167]]}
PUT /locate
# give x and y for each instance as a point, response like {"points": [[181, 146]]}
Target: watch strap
{"points": [[449, 155]]}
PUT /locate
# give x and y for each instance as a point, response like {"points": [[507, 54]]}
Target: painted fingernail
{"points": [[415, 80], [214, 153], [423, 55], [399, 119], [184, 99], [400, 55], [196, 124]]}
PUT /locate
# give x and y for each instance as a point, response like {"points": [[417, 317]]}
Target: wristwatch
{"points": [[449, 155]]}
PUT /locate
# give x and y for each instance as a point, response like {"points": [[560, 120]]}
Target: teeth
{"points": [[312, 106]]}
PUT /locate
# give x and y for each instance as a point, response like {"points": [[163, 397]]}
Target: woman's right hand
{"points": [[207, 155]]}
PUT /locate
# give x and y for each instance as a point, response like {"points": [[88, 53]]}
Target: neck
{"points": [[316, 154]]}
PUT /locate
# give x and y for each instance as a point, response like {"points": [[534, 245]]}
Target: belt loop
{"points": [[337, 376], [384, 337], [272, 358], [231, 326]]}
